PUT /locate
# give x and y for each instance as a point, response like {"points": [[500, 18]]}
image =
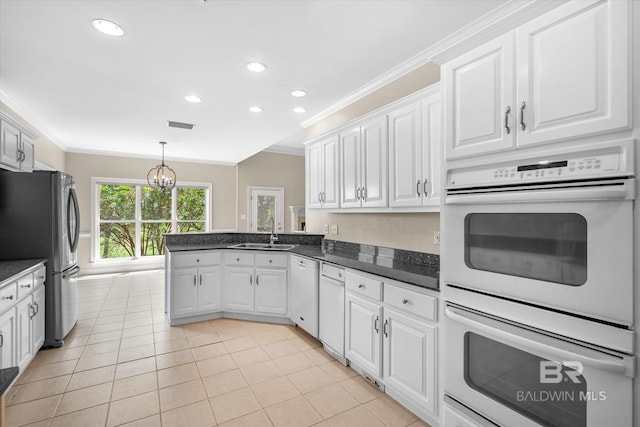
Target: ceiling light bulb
{"points": [[255, 109], [193, 98], [256, 67], [107, 27], [298, 93], [299, 110]]}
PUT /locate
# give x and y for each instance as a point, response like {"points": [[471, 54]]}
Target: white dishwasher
{"points": [[332, 310], [303, 293]]}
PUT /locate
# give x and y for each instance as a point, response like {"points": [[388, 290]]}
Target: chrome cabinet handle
{"points": [[506, 119], [1, 340], [418, 188], [384, 328], [201, 280], [424, 187], [9, 297], [357, 193], [26, 286], [404, 301], [251, 279], [375, 325], [364, 193], [194, 280], [522, 107], [37, 308], [257, 280]]}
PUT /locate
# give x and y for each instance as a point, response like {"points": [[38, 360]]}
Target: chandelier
{"points": [[162, 176]]}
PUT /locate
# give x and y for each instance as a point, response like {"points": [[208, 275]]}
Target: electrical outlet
{"points": [[326, 229], [334, 228], [436, 237]]}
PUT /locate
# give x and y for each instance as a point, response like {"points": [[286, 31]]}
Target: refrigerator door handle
{"points": [[74, 234]]}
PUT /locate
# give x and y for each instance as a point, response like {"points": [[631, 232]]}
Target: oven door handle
{"points": [[618, 191], [545, 345]]}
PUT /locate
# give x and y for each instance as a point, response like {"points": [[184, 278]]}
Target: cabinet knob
{"points": [[360, 285], [238, 259], [197, 260], [404, 301], [25, 286], [270, 261]]}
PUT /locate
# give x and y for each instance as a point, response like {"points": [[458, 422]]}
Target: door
{"points": [[38, 319], [405, 156], [479, 93], [209, 288], [314, 175], [184, 285], [373, 155], [271, 291], [238, 289], [8, 329], [24, 333], [409, 358], [9, 144], [350, 184], [573, 65], [362, 340], [266, 206], [330, 196]]}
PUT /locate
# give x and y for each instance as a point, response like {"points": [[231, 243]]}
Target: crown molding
{"points": [[494, 23], [147, 156], [285, 149]]}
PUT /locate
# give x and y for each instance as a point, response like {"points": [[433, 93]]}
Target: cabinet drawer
{"points": [[192, 259], [25, 285], [39, 276], [364, 285], [272, 260], [8, 295], [238, 258], [410, 301], [336, 273]]}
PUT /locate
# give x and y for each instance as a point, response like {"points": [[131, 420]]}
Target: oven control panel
{"points": [[552, 169]]}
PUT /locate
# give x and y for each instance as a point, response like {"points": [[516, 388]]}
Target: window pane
{"points": [[117, 202], [153, 238], [266, 213], [190, 227], [117, 240], [155, 204], [191, 203]]}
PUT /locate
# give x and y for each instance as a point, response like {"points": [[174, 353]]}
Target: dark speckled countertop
{"points": [[416, 268], [10, 268]]}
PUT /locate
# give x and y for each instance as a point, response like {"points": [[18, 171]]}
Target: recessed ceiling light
{"points": [[256, 67], [193, 98], [298, 93], [255, 109], [107, 27], [299, 110]]}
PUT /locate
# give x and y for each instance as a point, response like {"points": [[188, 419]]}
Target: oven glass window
{"points": [[549, 394], [542, 246]]}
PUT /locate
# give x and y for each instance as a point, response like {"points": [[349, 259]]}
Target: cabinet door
{"points": [[479, 100], [409, 358], [209, 288], [184, 291], [374, 162], [431, 150], [362, 329], [238, 289], [405, 156], [350, 168], [38, 319], [9, 144], [330, 198], [271, 291], [24, 333], [7, 338], [574, 68], [27, 149], [314, 175]]}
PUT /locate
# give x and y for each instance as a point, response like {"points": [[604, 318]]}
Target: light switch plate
{"points": [[436, 237], [326, 229], [334, 228]]}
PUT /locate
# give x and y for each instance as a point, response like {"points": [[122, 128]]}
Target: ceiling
{"points": [[90, 92]]}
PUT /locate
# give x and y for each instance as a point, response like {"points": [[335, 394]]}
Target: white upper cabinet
{"points": [[479, 93], [322, 173], [363, 164], [560, 76], [16, 146], [415, 147]]}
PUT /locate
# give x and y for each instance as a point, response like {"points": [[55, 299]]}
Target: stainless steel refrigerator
{"points": [[39, 218]]}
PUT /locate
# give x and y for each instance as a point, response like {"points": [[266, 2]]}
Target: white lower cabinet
{"points": [[238, 288], [196, 283], [22, 318], [391, 337], [271, 291]]}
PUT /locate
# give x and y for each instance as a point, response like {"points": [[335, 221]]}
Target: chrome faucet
{"points": [[274, 236]]}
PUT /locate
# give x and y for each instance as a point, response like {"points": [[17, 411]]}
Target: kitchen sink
{"points": [[263, 246]]}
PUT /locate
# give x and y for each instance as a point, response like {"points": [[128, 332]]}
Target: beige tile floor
{"points": [[123, 364]]}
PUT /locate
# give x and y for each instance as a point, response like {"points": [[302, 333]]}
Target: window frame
{"points": [[138, 184]]}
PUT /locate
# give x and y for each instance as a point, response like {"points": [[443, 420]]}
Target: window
{"points": [[131, 218]]}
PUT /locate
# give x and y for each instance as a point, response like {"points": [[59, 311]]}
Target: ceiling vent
{"points": [[179, 125]]}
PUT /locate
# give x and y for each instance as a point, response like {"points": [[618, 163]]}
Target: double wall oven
{"points": [[537, 274]]}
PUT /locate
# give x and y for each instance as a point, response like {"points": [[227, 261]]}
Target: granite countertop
{"points": [[7, 375], [10, 268], [416, 268]]}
